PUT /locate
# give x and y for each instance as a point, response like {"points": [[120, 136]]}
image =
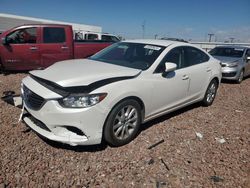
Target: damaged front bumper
{"points": [[79, 126], [59, 134], [66, 126]]}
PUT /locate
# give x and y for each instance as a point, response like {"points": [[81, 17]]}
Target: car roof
{"points": [[232, 46], [159, 42]]}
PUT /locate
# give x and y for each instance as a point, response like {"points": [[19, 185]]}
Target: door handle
{"points": [[208, 69], [33, 48], [185, 77], [64, 47]]}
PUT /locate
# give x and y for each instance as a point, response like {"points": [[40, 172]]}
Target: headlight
{"points": [[234, 64], [82, 101]]}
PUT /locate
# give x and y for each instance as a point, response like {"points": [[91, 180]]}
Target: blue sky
{"points": [[188, 19]]}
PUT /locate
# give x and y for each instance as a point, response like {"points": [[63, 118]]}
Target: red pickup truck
{"points": [[36, 46]]}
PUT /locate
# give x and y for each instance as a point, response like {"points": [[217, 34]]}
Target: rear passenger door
{"points": [[198, 70], [57, 45]]}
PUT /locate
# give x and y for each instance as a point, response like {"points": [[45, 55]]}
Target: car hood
{"points": [[83, 72], [224, 59]]}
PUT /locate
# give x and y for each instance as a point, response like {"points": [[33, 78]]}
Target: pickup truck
{"points": [[38, 46]]}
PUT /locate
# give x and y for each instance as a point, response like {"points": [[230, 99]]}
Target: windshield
{"points": [[227, 52], [133, 55]]}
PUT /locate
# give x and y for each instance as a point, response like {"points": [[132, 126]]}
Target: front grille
{"points": [[31, 99], [230, 74]]}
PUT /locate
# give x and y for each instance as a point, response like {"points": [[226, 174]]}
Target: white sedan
{"points": [[108, 96]]}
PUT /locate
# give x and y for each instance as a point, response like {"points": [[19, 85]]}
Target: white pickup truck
{"points": [[86, 35]]}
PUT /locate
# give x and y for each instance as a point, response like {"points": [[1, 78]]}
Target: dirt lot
{"points": [[182, 160]]}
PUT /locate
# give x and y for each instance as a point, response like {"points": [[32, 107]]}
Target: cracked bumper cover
{"points": [[70, 138], [55, 118], [89, 120]]}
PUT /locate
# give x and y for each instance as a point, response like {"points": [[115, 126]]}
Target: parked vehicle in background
{"points": [[82, 35], [38, 46], [174, 39], [110, 94], [235, 61]]}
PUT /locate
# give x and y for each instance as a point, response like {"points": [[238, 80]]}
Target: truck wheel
{"points": [[241, 77], [1, 68], [210, 93], [123, 123]]}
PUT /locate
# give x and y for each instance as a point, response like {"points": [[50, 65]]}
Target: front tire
{"points": [[123, 123], [210, 93], [241, 77]]}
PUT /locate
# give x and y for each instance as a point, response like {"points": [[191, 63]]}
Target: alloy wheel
{"points": [[211, 92], [125, 122]]}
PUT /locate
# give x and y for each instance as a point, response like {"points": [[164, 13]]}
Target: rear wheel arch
{"points": [[216, 79], [210, 92]]}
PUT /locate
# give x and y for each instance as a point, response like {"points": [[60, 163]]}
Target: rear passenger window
{"points": [[109, 38], [91, 37], [54, 35], [194, 56]]}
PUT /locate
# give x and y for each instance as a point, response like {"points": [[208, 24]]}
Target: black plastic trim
{"points": [[65, 91]]}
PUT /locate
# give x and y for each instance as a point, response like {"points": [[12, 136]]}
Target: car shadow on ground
{"points": [[223, 81], [165, 117], [7, 73], [91, 148], [103, 145], [8, 98]]}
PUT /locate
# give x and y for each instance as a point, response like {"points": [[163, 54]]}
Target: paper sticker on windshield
{"points": [[122, 47], [238, 49], [150, 47]]}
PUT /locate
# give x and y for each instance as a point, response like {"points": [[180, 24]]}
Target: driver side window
{"points": [[22, 36], [174, 56]]}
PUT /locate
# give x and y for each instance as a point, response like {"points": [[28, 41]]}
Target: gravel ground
{"points": [[182, 160]]}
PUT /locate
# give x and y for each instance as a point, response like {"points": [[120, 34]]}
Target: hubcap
{"points": [[125, 122], [211, 93]]}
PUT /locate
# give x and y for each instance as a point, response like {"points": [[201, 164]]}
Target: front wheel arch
{"points": [[137, 99]]}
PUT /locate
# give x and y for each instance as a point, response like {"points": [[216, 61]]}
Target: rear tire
{"points": [[241, 77], [210, 93], [123, 123]]}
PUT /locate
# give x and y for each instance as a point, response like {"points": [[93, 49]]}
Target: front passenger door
{"points": [[170, 89]]}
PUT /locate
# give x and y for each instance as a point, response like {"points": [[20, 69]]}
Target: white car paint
{"points": [[159, 94]]}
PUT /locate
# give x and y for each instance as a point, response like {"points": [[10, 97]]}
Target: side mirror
{"points": [[248, 58], [169, 67], [4, 41]]}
